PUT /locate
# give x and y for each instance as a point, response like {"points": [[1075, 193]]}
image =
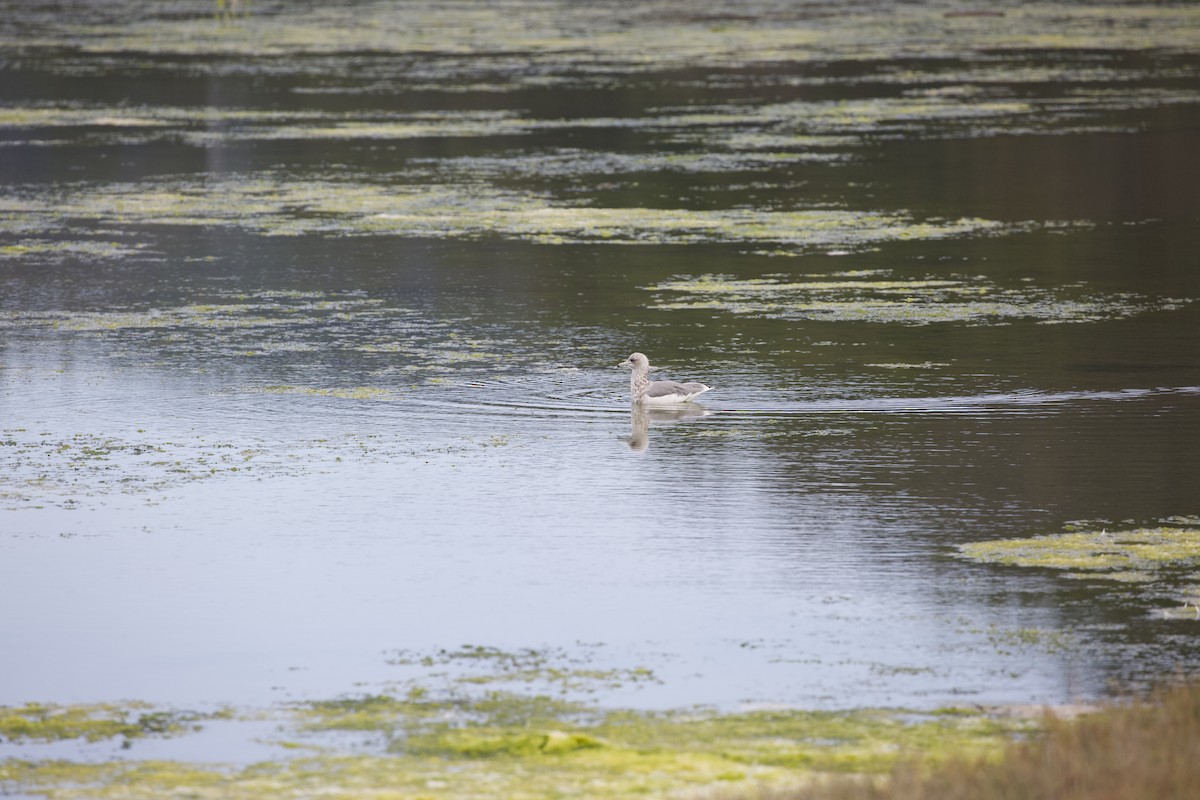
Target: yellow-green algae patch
{"points": [[48, 249], [1150, 558], [258, 324], [448, 733], [912, 301], [555, 669], [529, 744], [618, 754], [267, 203], [64, 471], [43, 722], [1100, 552], [734, 136], [557, 39], [346, 393]]}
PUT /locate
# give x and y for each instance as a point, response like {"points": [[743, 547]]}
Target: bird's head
{"points": [[635, 361]]}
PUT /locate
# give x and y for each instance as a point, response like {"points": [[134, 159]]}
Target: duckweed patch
{"points": [[960, 299]]}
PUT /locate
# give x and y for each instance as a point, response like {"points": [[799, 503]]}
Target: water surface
{"points": [[309, 323]]}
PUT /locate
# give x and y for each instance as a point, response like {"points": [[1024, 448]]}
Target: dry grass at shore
{"points": [[1144, 749]]}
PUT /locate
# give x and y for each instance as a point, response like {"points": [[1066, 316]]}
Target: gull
{"points": [[651, 392]]}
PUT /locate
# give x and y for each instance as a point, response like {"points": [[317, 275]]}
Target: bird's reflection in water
{"points": [[641, 418]]}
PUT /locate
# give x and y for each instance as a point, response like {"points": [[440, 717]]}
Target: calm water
{"points": [[308, 345]]}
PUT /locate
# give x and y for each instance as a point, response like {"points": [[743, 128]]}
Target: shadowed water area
{"points": [[310, 318]]}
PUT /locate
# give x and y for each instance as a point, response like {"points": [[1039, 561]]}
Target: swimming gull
{"points": [[645, 390]]}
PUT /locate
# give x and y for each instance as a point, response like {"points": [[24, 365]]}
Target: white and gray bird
{"points": [[644, 390]]}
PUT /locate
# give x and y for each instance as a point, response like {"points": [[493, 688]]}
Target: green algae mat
{"points": [[467, 739]]}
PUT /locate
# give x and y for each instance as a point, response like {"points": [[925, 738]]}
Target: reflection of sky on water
{"points": [[787, 556]]}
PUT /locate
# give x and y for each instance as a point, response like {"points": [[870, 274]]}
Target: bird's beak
{"points": [[627, 364]]}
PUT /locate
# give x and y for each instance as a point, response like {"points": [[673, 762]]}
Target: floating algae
{"points": [[918, 301], [460, 737], [549, 669], [734, 136], [1148, 557], [1098, 552], [565, 41], [40, 470], [35, 250], [344, 393], [42, 722], [256, 324], [266, 203]]}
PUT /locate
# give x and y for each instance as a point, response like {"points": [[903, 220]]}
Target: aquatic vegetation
{"points": [[903, 365], [740, 156], [239, 325], [530, 746], [1149, 558], [563, 40], [730, 137], [787, 753], [553, 669], [61, 470], [1098, 552], [33, 249], [39, 469], [350, 393], [559, 742], [38, 722], [1008, 640], [915, 301], [265, 203], [450, 733]]}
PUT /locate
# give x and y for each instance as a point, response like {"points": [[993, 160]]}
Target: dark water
{"points": [[308, 345]]}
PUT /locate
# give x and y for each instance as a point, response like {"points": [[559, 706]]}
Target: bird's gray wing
{"points": [[694, 388], [663, 388]]}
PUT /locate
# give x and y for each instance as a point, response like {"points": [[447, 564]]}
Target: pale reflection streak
{"points": [[641, 417]]}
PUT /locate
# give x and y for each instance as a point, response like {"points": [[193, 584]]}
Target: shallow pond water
{"points": [[309, 324]]}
